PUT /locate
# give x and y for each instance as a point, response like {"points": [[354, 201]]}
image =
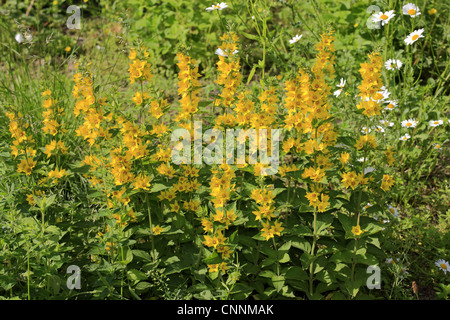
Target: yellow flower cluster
{"points": [[364, 140], [371, 85], [265, 212], [352, 179], [51, 114], [22, 144], [229, 70], [91, 108], [214, 226], [318, 201], [140, 69], [188, 86], [387, 182]]}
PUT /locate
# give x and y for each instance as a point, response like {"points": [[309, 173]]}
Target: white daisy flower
{"points": [[342, 83], [383, 17], [443, 265], [435, 123], [390, 261], [405, 137], [385, 93], [387, 123], [379, 129], [365, 130], [222, 53], [410, 123], [19, 38], [437, 146], [369, 170], [414, 36], [368, 205], [393, 211], [392, 64], [402, 273], [411, 10], [362, 159], [295, 39], [391, 104], [337, 93], [219, 6]]}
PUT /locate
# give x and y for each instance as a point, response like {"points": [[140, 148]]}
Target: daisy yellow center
{"points": [[390, 106], [436, 122], [384, 17], [443, 266], [412, 12], [437, 146], [408, 124], [392, 262], [392, 210], [414, 37]]}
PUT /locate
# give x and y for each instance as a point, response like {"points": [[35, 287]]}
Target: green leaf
{"points": [[136, 275], [158, 187], [278, 282], [213, 258], [142, 255], [250, 36], [143, 286], [252, 73], [296, 273], [266, 274]]}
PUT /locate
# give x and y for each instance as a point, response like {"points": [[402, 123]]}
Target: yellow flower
{"points": [[213, 268], [30, 199], [432, 11], [387, 182], [26, 166], [357, 230], [57, 174], [277, 228], [344, 158], [67, 49], [157, 230]]}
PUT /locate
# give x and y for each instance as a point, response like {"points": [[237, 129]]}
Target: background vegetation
{"points": [[67, 223]]}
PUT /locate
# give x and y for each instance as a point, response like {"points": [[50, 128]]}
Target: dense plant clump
{"points": [[324, 201]]}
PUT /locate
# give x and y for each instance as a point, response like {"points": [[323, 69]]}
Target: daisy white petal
{"points": [[405, 137], [219, 6], [443, 265], [19, 38], [383, 17], [410, 123], [295, 39], [411, 10], [414, 36], [435, 123], [392, 64]]}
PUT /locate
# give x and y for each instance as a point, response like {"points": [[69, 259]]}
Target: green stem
{"points": [[352, 277], [28, 271], [311, 267], [151, 226]]}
